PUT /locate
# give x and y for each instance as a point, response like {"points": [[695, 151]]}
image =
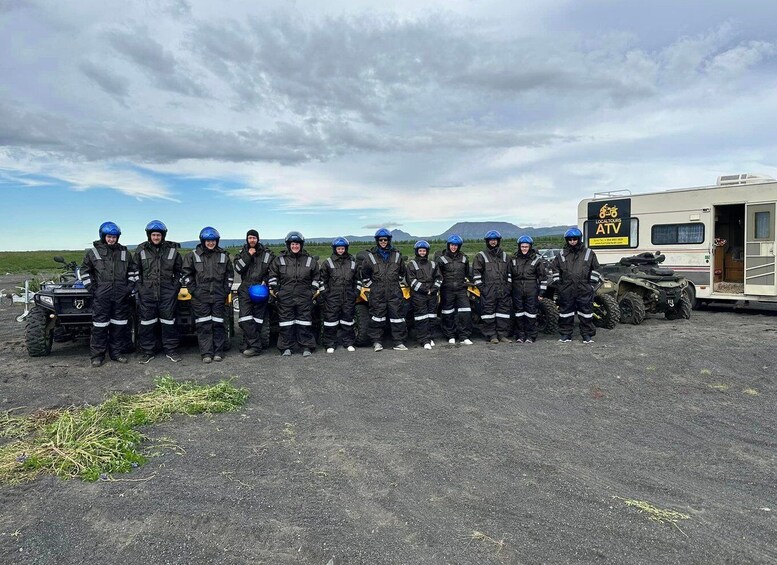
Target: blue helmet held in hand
{"points": [[258, 293]]}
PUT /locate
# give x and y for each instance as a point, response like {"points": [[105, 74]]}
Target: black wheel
{"points": [[39, 333], [681, 310], [607, 313], [132, 346], [229, 327], [266, 332], [362, 324], [632, 308], [547, 317], [696, 304]]}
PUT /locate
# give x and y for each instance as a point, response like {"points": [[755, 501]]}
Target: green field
{"points": [[35, 262]]}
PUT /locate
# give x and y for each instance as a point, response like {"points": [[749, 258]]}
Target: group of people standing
{"points": [[510, 288]]}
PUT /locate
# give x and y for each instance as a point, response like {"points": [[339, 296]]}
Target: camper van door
{"points": [[760, 246]]}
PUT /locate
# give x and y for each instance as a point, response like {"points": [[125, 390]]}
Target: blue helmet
{"points": [[455, 239], [294, 237], [340, 242], [108, 228], [525, 239], [383, 232], [156, 226], [422, 244], [492, 234], [258, 293], [573, 232], [209, 234]]}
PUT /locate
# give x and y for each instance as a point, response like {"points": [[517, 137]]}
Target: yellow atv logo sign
{"points": [[607, 211]]}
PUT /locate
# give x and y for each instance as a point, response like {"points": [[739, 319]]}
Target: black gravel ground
{"points": [[400, 457]]}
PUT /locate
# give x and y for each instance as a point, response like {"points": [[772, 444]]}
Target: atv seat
{"points": [[661, 272], [641, 259]]}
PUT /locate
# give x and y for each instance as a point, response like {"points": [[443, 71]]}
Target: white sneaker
{"points": [[452, 341], [377, 347], [431, 343], [467, 341], [400, 347], [427, 345], [351, 348], [330, 349]]}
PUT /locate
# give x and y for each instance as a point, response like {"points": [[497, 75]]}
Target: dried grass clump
{"points": [[94, 441]]}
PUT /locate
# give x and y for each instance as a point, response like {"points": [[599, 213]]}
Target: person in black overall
{"points": [[424, 280], [383, 271], [339, 287], [455, 309], [491, 274], [208, 274], [527, 270], [294, 279], [159, 272], [109, 273], [576, 272], [253, 266]]}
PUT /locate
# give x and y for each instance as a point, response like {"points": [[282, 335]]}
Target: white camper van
{"points": [[721, 238]]}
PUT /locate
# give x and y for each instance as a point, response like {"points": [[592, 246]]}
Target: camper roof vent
{"points": [[744, 178]]}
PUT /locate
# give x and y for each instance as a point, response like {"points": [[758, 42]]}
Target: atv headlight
{"points": [[47, 300], [608, 285]]}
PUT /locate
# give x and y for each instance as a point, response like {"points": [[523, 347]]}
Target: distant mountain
{"points": [[467, 230], [476, 230]]}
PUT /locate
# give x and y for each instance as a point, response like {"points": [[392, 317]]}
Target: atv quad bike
{"points": [[606, 310], [62, 312], [643, 287]]}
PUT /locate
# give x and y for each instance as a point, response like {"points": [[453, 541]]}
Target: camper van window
{"points": [[762, 225], [677, 234]]}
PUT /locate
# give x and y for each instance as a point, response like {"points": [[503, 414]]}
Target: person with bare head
{"points": [[253, 266]]}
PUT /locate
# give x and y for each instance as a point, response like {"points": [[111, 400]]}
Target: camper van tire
{"points": [[39, 334], [632, 308], [607, 313], [681, 311]]}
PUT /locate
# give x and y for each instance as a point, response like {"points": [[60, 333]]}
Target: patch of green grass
{"points": [[751, 391], [95, 441], [35, 261]]}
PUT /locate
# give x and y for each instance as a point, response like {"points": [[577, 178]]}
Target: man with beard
{"points": [[253, 266]]}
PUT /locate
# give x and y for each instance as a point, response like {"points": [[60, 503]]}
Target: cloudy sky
{"points": [[336, 117]]}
